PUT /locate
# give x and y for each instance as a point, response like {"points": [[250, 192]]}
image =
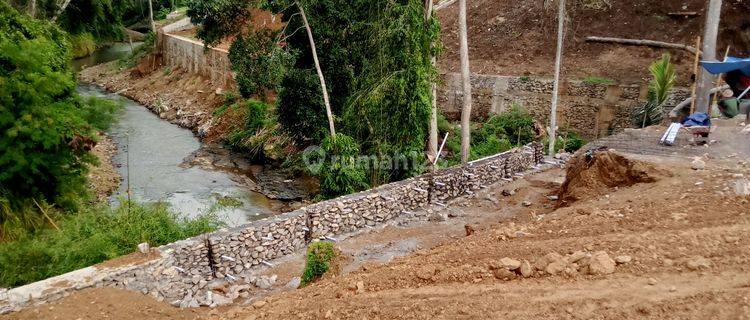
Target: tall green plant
{"points": [[663, 80]]}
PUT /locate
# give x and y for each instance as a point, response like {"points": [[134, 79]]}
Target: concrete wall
{"points": [[182, 273], [594, 110], [191, 55]]}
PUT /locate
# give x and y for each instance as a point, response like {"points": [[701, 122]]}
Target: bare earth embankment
{"points": [[631, 237]]}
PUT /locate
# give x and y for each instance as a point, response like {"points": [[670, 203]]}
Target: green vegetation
{"points": [[375, 57], [83, 44], [664, 78], [339, 170], [93, 236], [593, 80], [139, 52], [512, 128], [47, 128], [319, 257], [567, 140]]}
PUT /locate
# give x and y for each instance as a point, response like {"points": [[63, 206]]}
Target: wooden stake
{"points": [[695, 73], [45, 214]]}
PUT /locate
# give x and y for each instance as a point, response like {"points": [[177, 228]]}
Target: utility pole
{"points": [[466, 79], [558, 66], [705, 80]]}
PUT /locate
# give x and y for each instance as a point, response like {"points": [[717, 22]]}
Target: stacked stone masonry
{"points": [[594, 110], [184, 272]]}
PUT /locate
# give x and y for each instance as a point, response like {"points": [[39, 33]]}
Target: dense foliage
{"points": [[319, 257], [92, 236], [338, 166], [46, 129], [375, 56]]}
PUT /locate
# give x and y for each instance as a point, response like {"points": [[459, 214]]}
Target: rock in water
{"points": [[600, 263]]}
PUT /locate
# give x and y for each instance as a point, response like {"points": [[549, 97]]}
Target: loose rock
{"points": [[698, 263], [600, 264]]}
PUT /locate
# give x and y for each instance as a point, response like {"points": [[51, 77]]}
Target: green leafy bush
{"points": [[84, 44], [338, 168], [260, 64], [93, 236], [516, 124], [319, 257], [300, 107]]}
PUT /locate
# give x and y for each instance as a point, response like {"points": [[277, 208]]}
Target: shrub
{"points": [[337, 167], [260, 64], [319, 257], [83, 44], [301, 111], [516, 124], [93, 236]]}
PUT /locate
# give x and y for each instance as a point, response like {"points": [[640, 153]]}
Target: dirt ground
{"points": [[519, 37], [672, 246], [103, 177]]}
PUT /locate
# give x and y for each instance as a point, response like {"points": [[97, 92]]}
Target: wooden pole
{"points": [[643, 42], [558, 67], [327, 103], [151, 16], [695, 73], [466, 79], [705, 80]]}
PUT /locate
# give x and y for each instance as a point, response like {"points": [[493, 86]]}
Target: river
{"points": [[150, 160]]}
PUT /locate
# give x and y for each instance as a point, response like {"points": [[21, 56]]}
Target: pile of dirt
{"points": [[594, 173]]}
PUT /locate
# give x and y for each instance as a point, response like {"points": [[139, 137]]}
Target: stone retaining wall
{"points": [[594, 110], [185, 269]]}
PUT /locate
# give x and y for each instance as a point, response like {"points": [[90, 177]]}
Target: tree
{"points": [[705, 82], [466, 80], [558, 66], [323, 89], [433, 143]]}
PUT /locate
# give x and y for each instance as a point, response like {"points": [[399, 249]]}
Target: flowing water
{"points": [[109, 53], [150, 161]]}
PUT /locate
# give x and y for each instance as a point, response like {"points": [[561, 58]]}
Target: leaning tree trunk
{"points": [[60, 10], [320, 72], [466, 79], [433, 141], [706, 80], [558, 66], [32, 8]]}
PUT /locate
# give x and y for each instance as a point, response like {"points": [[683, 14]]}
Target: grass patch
{"points": [[93, 236], [598, 80], [319, 257]]}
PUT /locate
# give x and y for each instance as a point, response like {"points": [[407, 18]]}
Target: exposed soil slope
{"points": [[519, 37]]}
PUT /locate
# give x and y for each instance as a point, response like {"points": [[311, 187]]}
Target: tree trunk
{"points": [[706, 80], [151, 16], [558, 66], [466, 79], [433, 141], [331, 126], [643, 42], [60, 10], [32, 8]]}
